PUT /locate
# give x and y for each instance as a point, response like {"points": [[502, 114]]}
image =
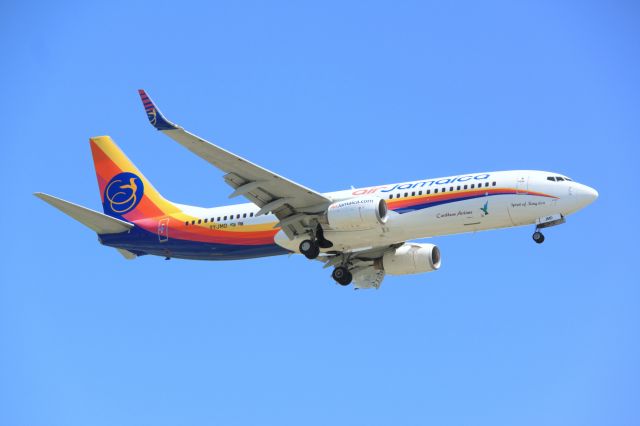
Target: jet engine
{"points": [[410, 258], [356, 214]]}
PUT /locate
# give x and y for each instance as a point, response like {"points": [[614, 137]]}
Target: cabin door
{"points": [[522, 184], [163, 230]]}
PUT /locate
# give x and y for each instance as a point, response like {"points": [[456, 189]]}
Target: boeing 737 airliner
{"points": [[361, 233]]}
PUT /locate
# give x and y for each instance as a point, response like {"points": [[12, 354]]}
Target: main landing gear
{"points": [[342, 275], [311, 247], [538, 237]]}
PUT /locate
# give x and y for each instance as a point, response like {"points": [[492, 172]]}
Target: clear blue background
{"points": [[328, 94]]}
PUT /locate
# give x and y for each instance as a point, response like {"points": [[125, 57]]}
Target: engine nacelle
{"points": [[410, 258], [357, 213]]}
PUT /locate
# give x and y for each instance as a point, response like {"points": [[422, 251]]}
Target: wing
{"points": [[293, 204]]}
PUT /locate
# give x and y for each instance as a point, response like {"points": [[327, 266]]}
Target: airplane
{"points": [[362, 233]]}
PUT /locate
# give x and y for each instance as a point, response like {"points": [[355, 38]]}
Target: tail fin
{"points": [[126, 193]]}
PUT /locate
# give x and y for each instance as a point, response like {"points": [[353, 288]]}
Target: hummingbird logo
{"points": [[485, 209]]}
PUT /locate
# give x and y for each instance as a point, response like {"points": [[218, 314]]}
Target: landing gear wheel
{"points": [[342, 275], [538, 237], [310, 249]]}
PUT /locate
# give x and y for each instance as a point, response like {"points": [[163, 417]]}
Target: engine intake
{"points": [[357, 213], [410, 258]]}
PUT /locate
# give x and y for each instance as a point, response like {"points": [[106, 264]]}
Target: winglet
{"points": [[156, 118]]}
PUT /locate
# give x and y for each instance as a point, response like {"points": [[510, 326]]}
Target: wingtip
{"points": [[154, 115]]}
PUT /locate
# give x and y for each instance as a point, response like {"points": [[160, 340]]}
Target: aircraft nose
{"points": [[586, 194]]}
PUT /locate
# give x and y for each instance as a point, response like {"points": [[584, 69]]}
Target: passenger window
{"points": [[465, 187], [218, 218], [187, 223], [238, 216], [413, 194], [206, 220], [390, 196], [473, 185], [419, 192], [435, 191], [244, 215], [444, 190], [493, 184], [225, 218], [428, 191], [251, 214], [486, 184], [199, 221], [458, 188], [406, 194], [193, 222]]}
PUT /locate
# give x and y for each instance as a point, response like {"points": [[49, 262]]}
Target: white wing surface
{"points": [[292, 203]]}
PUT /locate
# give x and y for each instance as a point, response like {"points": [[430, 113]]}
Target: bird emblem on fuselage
{"points": [[485, 209]]}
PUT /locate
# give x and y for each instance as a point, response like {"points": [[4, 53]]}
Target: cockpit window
{"points": [[570, 180], [559, 178], [551, 178]]}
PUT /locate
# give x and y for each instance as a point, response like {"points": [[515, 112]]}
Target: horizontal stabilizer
{"points": [[99, 222], [127, 254]]}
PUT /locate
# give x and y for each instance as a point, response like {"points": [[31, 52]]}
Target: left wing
{"points": [[293, 204]]}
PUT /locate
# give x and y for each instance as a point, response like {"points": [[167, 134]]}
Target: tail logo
{"points": [[123, 193]]}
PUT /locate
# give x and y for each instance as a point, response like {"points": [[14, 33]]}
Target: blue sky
{"points": [[328, 94]]}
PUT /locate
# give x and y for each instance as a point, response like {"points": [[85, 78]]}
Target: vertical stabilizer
{"points": [[125, 192]]}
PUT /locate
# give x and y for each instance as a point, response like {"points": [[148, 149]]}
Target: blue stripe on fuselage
{"points": [[138, 240]]}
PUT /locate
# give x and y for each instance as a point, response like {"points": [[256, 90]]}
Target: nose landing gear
{"points": [[546, 222], [538, 237]]}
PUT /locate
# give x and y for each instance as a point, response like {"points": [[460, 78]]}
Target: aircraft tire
{"points": [[538, 237], [342, 275], [310, 249]]}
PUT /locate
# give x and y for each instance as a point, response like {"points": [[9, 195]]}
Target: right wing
{"points": [[293, 204]]}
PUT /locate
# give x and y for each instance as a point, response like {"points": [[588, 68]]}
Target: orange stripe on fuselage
{"points": [[178, 230]]}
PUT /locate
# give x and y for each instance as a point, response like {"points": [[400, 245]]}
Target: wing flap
{"points": [[99, 222]]}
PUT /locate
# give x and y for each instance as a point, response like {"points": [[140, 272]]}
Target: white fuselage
{"points": [[443, 206]]}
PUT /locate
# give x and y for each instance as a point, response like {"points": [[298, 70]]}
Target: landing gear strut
{"points": [[310, 249], [538, 237], [342, 275]]}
